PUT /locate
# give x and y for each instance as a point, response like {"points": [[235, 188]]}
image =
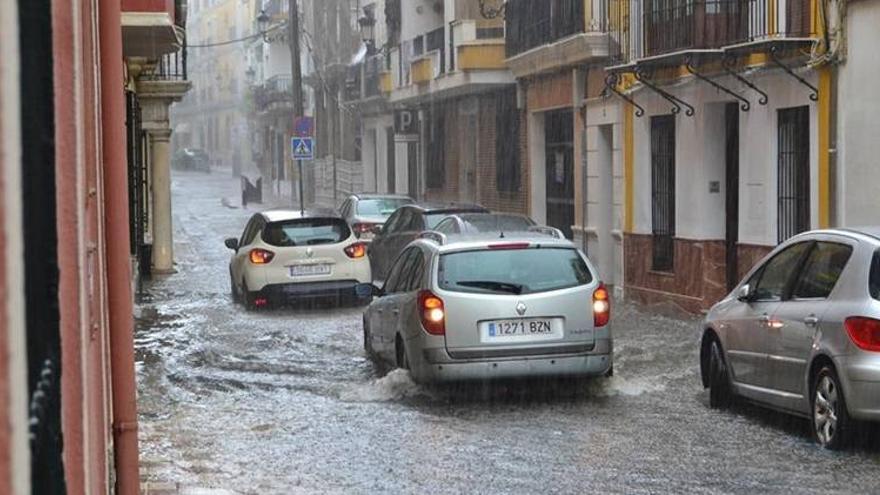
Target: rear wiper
{"points": [[312, 242], [493, 285]]}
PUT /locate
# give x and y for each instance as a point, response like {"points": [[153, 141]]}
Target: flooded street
{"points": [[285, 401]]}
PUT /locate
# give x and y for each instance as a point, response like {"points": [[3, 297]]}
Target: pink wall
{"points": [[149, 6]]}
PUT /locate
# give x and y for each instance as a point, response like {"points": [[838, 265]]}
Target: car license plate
{"points": [[309, 270], [521, 330]]}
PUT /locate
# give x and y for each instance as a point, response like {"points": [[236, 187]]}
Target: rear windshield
{"points": [[492, 223], [306, 232], [432, 219], [380, 207], [874, 280], [513, 271]]}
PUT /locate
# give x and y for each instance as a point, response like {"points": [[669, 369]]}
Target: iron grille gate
{"points": [[663, 192], [794, 172], [137, 183]]}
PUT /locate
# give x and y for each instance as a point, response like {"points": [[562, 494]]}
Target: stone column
{"points": [[160, 170]]}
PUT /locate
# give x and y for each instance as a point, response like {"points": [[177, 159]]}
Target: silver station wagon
{"points": [[491, 306], [801, 333]]}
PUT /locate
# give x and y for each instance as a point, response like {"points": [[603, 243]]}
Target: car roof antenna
{"points": [[502, 234]]}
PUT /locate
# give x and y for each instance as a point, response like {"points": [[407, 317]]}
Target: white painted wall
{"points": [[418, 17], [537, 167], [376, 167], [858, 160], [700, 157]]}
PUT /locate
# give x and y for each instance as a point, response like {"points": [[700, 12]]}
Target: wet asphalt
{"points": [[284, 401]]}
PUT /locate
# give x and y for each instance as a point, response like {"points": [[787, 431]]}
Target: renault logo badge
{"points": [[310, 252], [520, 308]]}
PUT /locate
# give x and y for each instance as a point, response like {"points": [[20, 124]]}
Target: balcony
{"points": [[423, 69], [276, 94], [660, 28], [152, 28], [552, 34]]}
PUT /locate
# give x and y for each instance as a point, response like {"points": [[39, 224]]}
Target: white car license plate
{"points": [[309, 270], [521, 330]]}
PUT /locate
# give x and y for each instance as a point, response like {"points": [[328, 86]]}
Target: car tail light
{"points": [[510, 245], [601, 306], [363, 228], [356, 250], [261, 256], [432, 313], [864, 332]]}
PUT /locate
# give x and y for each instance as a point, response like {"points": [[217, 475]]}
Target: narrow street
{"points": [[284, 401]]}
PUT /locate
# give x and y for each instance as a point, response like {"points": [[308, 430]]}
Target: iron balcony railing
{"points": [[656, 27], [530, 24], [276, 88], [169, 67]]}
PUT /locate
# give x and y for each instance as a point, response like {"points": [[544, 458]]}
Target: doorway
{"points": [[390, 172], [559, 156], [605, 203], [731, 193]]}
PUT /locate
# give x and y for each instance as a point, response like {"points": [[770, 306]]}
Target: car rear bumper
{"points": [[437, 366], [861, 373], [336, 289]]}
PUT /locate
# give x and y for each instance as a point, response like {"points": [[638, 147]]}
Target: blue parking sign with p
{"points": [[302, 148]]}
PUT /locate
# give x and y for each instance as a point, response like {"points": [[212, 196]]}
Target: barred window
{"points": [[663, 192], [507, 164]]}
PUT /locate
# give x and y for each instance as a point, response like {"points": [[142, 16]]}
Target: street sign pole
{"points": [[302, 204]]}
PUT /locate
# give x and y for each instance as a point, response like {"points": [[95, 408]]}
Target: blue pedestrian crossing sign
{"points": [[302, 148]]}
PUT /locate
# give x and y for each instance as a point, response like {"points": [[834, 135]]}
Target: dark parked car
{"points": [[191, 159], [404, 226], [365, 212]]}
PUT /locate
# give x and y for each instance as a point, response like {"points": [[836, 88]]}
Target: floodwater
{"points": [[285, 401]]}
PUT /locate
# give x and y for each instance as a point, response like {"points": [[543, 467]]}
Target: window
{"points": [[507, 165], [448, 226], [436, 151], [396, 275], [663, 192], [306, 232], [776, 274], [393, 223], [411, 277], [253, 227], [821, 271], [874, 277], [793, 172], [513, 271]]}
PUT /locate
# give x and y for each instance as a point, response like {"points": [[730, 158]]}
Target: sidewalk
{"points": [[152, 488]]}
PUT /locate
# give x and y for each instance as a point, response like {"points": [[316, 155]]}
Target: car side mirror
{"points": [[377, 291], [231, 243], [744, 293]]}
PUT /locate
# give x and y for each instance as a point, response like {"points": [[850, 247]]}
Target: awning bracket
{"points": [[728, 63], [746, 105], [814, 95], [611, 81], [677, 103]]}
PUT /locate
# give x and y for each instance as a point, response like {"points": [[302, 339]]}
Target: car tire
{"points": [[720, 393], [402, 360], [830, 421]]}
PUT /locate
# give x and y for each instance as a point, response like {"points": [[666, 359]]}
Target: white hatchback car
{"points": [[286, 255]]}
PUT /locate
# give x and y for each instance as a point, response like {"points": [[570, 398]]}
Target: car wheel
{"points": [[831, 423], [719, 378], [400, 351]]}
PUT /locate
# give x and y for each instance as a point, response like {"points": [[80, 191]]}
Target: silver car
{"points": [[366, 213], [485, 306], [801, 333]]}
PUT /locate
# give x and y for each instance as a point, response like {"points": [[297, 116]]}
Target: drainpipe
{"points": [[120, 301]]}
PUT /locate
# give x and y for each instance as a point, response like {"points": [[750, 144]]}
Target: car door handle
{"points": [[811, 321]]}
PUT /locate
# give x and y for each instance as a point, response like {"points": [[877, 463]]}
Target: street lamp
{"points": [[263, 24], [367, 24]]}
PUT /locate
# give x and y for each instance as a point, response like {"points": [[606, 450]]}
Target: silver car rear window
{"points": [[382, 207], [513, 271], [874, 278], [306, 232]]}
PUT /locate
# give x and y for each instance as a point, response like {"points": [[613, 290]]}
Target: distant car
{"points": [[191, 159], [482, 306], [801, 333], [366, 213], [285, 255], [404, 225], [472, 223]]}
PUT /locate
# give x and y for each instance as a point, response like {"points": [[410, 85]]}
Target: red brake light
{"points": [[601, 306], [356, 250], [260, 256], [432, 313], [510, 245], [864, 332]]}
